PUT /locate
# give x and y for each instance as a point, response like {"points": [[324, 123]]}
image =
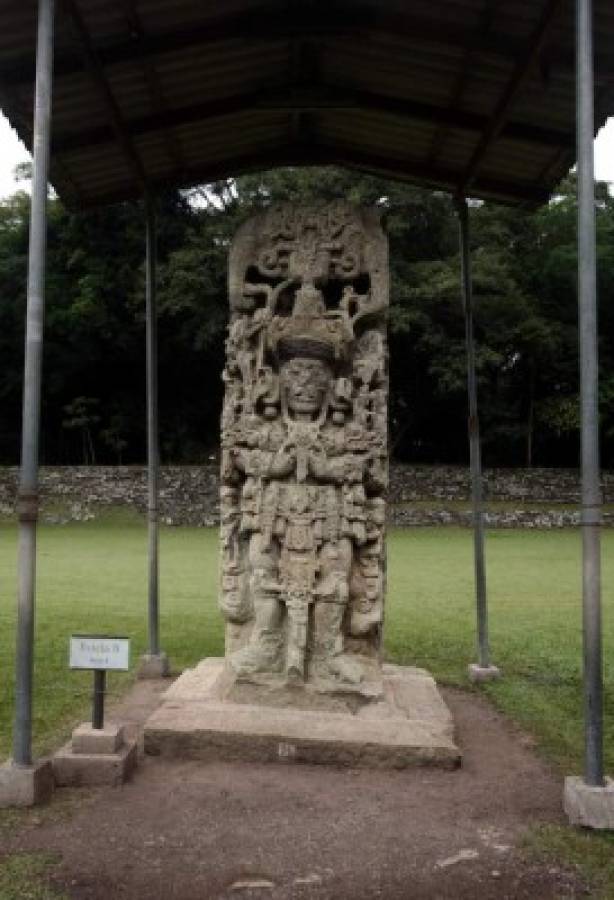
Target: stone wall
{"points": [[514, 498], [419, 495], [188, 494]]}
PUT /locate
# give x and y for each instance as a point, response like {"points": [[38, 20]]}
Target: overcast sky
{"points": [[12, 152]]}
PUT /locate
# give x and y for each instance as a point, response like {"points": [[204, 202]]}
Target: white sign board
{"points": [[99, 651]]}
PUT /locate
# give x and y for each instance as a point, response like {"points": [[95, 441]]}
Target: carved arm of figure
{"points": [[325, 469], [235, 601], [282, 464], [260, 463], [376, 476], [250, 461], [228, 468], [240, 458], [340, 469]]}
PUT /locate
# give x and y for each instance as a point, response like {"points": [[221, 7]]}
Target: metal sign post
{"points": [[98, 754], [100, 678], [100, 653]]}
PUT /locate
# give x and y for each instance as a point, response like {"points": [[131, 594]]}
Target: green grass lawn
{"points": [[92, 577]]}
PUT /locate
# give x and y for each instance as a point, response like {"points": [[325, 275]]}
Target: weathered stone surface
{"points": [[86, 739], [591, 807], [194, 685], [410, 725], [72, 769], [304, 455], [95, 756], [304, 472], [25, 785]]}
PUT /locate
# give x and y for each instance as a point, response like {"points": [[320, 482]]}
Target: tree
{"points": [[524, 266]]}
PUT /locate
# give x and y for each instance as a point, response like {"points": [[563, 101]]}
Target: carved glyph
{"points": [[304, 446]]}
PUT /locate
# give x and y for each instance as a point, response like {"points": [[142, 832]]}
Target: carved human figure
{"points": [[304, 461]]}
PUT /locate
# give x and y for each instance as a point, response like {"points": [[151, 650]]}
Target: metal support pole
{"points": [[28, 481], [587, 313], [98, 698], [152, 427], [475, 456]]}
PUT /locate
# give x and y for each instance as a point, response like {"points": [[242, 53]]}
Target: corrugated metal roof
{"points": [[466, 95]]}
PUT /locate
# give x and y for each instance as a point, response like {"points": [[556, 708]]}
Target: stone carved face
{"points": [[306, 383]]}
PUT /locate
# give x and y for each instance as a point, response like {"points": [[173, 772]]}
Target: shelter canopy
{"points": [[472, 96]]}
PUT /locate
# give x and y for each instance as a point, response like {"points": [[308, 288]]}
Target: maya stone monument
{"points": [[304, 456], [303, 513]]}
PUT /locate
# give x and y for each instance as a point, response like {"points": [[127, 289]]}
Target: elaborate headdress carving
{"points": [[310, 330]]}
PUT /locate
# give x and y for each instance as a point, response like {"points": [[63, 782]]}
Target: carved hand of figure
{"points": [[283, 463], [235, 606], [228, 467], [322, 468], [353, 469], [376, 476], [240, 458]]}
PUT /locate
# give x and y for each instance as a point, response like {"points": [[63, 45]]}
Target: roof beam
{"points": [[565, 157], [23, 124], [307, 99], [522, 69], [442, 132], [302, 154], [422, 174], [97, 74], [154, 87], [303, 72], [277, 22]]}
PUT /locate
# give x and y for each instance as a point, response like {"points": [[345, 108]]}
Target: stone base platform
{"points": [[588, 806], [95, 757], [25, 785], [201, 717]]}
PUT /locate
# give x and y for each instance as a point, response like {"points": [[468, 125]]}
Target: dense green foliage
{"points": [[525, 301]]}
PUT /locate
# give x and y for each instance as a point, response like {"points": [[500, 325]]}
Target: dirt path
{"points": [[186, 831]]}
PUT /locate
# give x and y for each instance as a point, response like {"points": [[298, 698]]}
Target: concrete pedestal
{"points": [[592, 807], [406, 723], [25, 785], [478, 674], [95, 757], [153, 666]]}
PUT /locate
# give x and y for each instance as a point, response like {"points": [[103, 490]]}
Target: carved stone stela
{"points": [[304, 471], [304, 447]]}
